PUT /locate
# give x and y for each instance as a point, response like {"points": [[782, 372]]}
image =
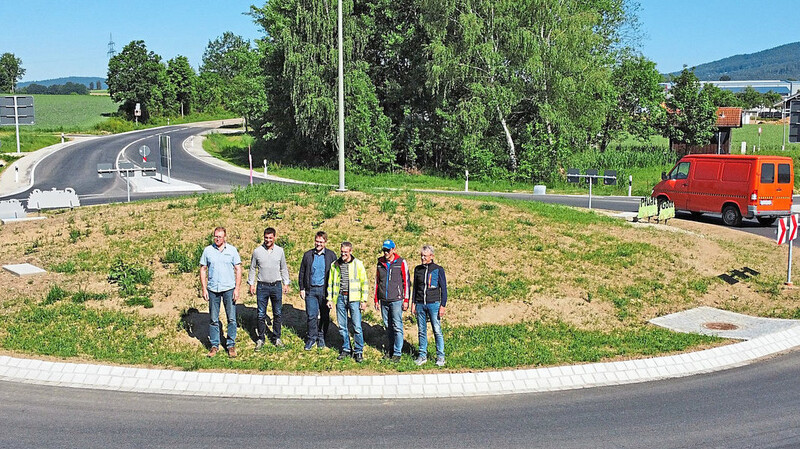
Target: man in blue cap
{"points": [[392, 290]]}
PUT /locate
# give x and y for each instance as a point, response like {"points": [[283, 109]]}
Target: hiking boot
{"points": [[232, 352], [421, 360], [321, 343], [278, 343], [309, 345], [212, 352], [343, 355], [359, 357], [259, 344], [439, 361], [395, 358]]}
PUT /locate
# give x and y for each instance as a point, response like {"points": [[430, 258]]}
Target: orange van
{"points": [[734, 185]]}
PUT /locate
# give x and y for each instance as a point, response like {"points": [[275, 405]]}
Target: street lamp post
{"points": [[341, 103], [783, 119]]}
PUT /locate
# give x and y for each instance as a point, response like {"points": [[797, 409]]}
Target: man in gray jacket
{"points": [[269, 263]]}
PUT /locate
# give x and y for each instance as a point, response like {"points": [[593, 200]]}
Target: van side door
{"points": [[677, 184]]}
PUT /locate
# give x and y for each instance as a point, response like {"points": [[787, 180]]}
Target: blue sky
{"points": [[66, 38], [56, 38], [698, 31]]}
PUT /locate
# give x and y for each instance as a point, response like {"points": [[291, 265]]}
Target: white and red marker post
{"points": [[787, 232]]}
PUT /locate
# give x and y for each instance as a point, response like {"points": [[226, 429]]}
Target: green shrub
{"points": [[129, 276]]}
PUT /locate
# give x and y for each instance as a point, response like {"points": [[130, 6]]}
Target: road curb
{"points": [[394, 386]]}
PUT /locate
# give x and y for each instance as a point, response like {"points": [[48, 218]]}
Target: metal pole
{"points": [[16, 121], [341, 102], [590, 192], [789, 269], [783, 117]]}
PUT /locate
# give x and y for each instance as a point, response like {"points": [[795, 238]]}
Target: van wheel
{"points": [[766, 221], [731, 215]]}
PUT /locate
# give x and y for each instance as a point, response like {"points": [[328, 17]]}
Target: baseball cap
{"points": [[388, 244]]}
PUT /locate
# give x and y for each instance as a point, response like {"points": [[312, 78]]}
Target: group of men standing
{"points": [[326, 283]]}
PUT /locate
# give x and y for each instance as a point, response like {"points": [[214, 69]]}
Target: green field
{"points": [[771, 138], [70, 113], [56, 114]]}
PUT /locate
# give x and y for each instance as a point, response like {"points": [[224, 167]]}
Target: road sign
{"points": [[137, 111], [127, 169], [150, 169], [787, 229], [16, 110], [104, 174], [794, 121]]}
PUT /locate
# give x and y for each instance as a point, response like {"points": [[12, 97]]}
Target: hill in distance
{"points": [[85, 80], [779, 63]]}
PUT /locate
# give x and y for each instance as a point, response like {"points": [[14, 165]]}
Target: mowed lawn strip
{"points": [[531, 284]]}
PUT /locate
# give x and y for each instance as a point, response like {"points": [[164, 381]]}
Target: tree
{"points": [[183, 80], [91, 85], [221, 55], [246, 91], [300, 60], [721, 97], [724, 78], [750, 98], [532, 72], [638, 96], [691, 118], [11, 72], [137, 76]]}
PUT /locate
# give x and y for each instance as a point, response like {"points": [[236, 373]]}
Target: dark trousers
{"points": [[317, 305], [273, 293]]}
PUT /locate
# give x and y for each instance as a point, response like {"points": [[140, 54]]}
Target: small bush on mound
{"points": [[129, 276]]}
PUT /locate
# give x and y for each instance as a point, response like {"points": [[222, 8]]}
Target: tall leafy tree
{"points": [[691, 117], [300, 62], [638, 94], [183, 80], [534, 72], [136, 75], [11, 71]]}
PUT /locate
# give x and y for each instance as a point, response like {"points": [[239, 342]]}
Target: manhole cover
{"points": [[719, 326]]}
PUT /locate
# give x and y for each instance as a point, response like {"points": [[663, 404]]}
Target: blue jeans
{"points": [[214, 300], [343, 305], [392, 313], [425, 313], [317, 304], [273, 293]]}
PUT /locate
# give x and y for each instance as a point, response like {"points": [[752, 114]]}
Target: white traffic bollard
{"points": [[630, 184], [265, 168], [466, 180]]}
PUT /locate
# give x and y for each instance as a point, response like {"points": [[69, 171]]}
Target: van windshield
{"points": [[681, 171]]}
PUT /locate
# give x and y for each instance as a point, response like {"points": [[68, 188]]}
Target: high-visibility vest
{"points": [[358, 281]]}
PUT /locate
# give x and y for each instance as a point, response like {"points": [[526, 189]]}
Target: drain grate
{"points": [[720, 326]]}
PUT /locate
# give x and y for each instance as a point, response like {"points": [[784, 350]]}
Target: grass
{"points": [[511, 261], [75, 330]]}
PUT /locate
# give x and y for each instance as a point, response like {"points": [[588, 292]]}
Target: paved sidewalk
{"points": [[394, 386]]}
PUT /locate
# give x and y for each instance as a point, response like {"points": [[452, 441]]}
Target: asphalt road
{"points": [[76, 167], [754, 406]]}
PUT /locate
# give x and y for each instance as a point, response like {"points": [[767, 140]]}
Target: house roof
{"points": [[729, 117]]}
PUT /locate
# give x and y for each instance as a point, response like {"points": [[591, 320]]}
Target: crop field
{"points": [[70, 113]]}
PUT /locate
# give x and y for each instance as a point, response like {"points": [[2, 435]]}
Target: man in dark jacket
{"points": [[428, 301], [391, 296], [313, 280]]}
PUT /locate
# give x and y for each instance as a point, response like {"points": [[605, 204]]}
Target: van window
{"points": [[706, 170], [736, 171], [784, 174], [681, 171], [767, 173]]}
